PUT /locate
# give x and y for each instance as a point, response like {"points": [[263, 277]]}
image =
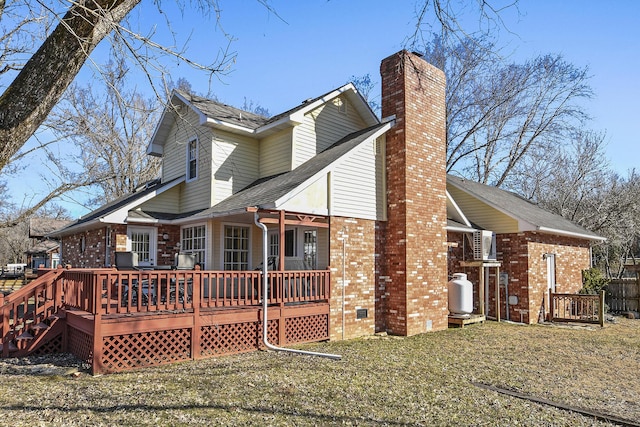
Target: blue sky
{"points": [[318, 45]]}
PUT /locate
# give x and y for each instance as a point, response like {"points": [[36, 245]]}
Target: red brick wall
{"points": [[522, 260], [95, 254], [414, 257], [522, 257], [355, 238]]}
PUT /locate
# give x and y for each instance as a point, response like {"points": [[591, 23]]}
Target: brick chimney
{"points": [[412, 245]]}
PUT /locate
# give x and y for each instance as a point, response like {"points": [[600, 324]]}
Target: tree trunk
{"points": [[39, 86]]}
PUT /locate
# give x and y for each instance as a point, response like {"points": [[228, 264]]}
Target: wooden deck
{"points": [[118, 320]]}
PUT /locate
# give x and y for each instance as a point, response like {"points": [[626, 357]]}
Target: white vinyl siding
{"points": [[482, 214], [184, 129], [197, 193], [312, 200], [235, 164], [322, 128], [168, 201], [275, 153], [357, 184]]}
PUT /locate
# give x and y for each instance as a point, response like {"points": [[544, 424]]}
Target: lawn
{"points": [[421, 380]]}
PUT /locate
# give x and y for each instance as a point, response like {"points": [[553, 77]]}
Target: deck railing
{"points": [[579, 308], [109, 291], [160, 290], [27, 309]]}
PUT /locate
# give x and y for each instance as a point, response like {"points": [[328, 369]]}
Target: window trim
{"points": [[189, 160], [204, 250], [223, 226]]}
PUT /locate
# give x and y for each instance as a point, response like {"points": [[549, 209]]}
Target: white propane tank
{"points": [[460, 295]]}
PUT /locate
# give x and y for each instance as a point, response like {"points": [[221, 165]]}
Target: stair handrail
{"points": [[25, 293]]}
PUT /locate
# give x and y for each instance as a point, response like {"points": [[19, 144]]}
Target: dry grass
{"points": [[421, 380]]}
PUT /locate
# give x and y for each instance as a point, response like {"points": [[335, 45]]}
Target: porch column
{"points": [[281, 220]]}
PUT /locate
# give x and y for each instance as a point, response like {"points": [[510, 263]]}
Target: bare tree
{"points": [[366, 87], [574, 180], [110, 128], [81, 25], [14, 242], [46, 43], [445, 17], [498, 113]]}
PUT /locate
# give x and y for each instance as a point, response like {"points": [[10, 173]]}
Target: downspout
{"points": [[506, 296], [265, 288]]}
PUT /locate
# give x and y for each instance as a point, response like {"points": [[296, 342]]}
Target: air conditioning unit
{"points": [[484, 245]]}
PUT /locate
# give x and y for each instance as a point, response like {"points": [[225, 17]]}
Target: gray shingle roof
{"points": [[225, 113], [116, 204], [228, 114], [517, 207], [267, 190]]}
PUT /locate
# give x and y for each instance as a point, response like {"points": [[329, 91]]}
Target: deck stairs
{"points": [[32, 319]]}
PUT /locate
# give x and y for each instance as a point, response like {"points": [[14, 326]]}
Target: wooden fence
{"points": [[578, 308], [623, 295]]}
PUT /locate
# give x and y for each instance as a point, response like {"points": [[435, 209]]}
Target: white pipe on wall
{"points": [[265, 288]]}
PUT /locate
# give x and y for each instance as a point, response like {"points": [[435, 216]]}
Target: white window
{"points": [[311, 248], [274, 238], [236, 247], [290, 243], [192, 159], [141, 244], [193, 241], [290, 246]]}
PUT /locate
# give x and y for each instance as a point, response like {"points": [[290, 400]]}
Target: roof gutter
{"points": [[265, 288], [460, 229], [569, 233]]}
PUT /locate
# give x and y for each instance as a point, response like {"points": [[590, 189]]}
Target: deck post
{"points": [[4, 339], [498, 308], [601, 309], [196, 352], [282, 328], [281, 232], [551, 311], [481, 290], [96, 358]]}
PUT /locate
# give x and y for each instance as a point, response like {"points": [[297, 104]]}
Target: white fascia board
{"points": [[293, 193], [141, 220], [153, 148], [461, 215], [120, 215], [570, 234], [291, 120], [202, 118], [214, 122], [200, 217], [156, 149], [298, 116]]}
